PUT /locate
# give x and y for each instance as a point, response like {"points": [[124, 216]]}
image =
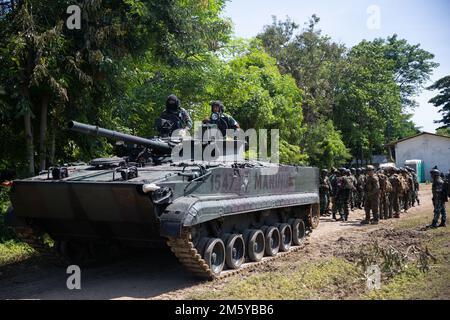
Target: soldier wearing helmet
{"points": [[360, 181], [173, 118], [415, 196], [324, 192], [385, 190], [223, 121], [409, 189], [372, 195], [344, 188], [353, 198], [333, 195], [440, 197], [394, 196]]}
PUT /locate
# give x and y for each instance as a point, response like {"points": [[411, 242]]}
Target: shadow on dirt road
{"points": [[141, 275]]}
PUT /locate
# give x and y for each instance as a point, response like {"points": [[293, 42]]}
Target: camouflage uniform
{"points": [[324, 192], [440, 196], [404, 193], [372, 195], [397, 190], [410, 181], [344, 188], [333, 181], [416, 189], [361, 180], [353, 196], [385, 190]]}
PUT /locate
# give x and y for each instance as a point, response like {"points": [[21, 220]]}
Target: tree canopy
{"points": [[331, 103], [442, 100]]}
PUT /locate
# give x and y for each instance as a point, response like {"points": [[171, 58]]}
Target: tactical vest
{"points": [[168, 122]]}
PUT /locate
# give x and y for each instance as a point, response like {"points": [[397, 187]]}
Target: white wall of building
{"points": [[433, 150]]}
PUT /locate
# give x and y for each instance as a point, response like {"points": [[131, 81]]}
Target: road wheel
{"points": [[285, 236], [298, 231], [235, 251], [255, 244], [214, 255], [272, 239]]}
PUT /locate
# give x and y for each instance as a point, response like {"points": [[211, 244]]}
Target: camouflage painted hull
{"points": [[98, 205]]}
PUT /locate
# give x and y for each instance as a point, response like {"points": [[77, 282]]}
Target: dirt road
{"points": [[157, 274]]}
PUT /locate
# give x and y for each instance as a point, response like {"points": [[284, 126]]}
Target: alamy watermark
{"points": [[374, 19], [73, 22], [74, 280], [373, 277], [213, 145]]}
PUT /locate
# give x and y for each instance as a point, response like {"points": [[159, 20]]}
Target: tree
{"points": [[325, 147], [443, 131], [366, 90], [442, 100], [368, 100], [260, 97], [63, 74], [311, 58], [412, 66]]}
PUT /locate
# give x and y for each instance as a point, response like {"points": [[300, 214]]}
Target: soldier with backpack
{"points": [[385, 191], [344, 187], [372, 196], [394, 196]]}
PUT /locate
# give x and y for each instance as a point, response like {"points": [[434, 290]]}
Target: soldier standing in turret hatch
{"points": [[221, 119], [173, 118]]}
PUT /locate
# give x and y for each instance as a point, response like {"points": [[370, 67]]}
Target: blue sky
{"points": [[424, 22]]}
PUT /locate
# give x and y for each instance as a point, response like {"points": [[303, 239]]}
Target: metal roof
{"points": [[416, 135]]}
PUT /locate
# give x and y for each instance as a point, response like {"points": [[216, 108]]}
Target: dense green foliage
{"points": [[442, 101], [330, 103], [367, 90], [444, 131]]}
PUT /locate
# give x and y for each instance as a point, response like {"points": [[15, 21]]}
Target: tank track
{"points": [[191, 259]]}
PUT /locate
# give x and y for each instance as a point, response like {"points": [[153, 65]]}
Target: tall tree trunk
{"points": [[29, 142], [52, 144], [43, 132]]}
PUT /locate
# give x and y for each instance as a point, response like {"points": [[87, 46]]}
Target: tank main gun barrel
{"points": [[118, 136]]}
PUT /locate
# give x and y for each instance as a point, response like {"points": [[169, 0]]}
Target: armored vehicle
{"points": [[213, 215]]}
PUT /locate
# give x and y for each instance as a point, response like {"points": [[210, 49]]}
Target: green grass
{"points": [[326, 279], [414, 284], [338, 278], [12, 251]]}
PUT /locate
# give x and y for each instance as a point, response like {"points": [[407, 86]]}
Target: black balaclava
{"points": [[172, 103]]}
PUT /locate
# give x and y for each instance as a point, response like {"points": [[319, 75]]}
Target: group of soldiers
{"points": [[383, 193]]}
